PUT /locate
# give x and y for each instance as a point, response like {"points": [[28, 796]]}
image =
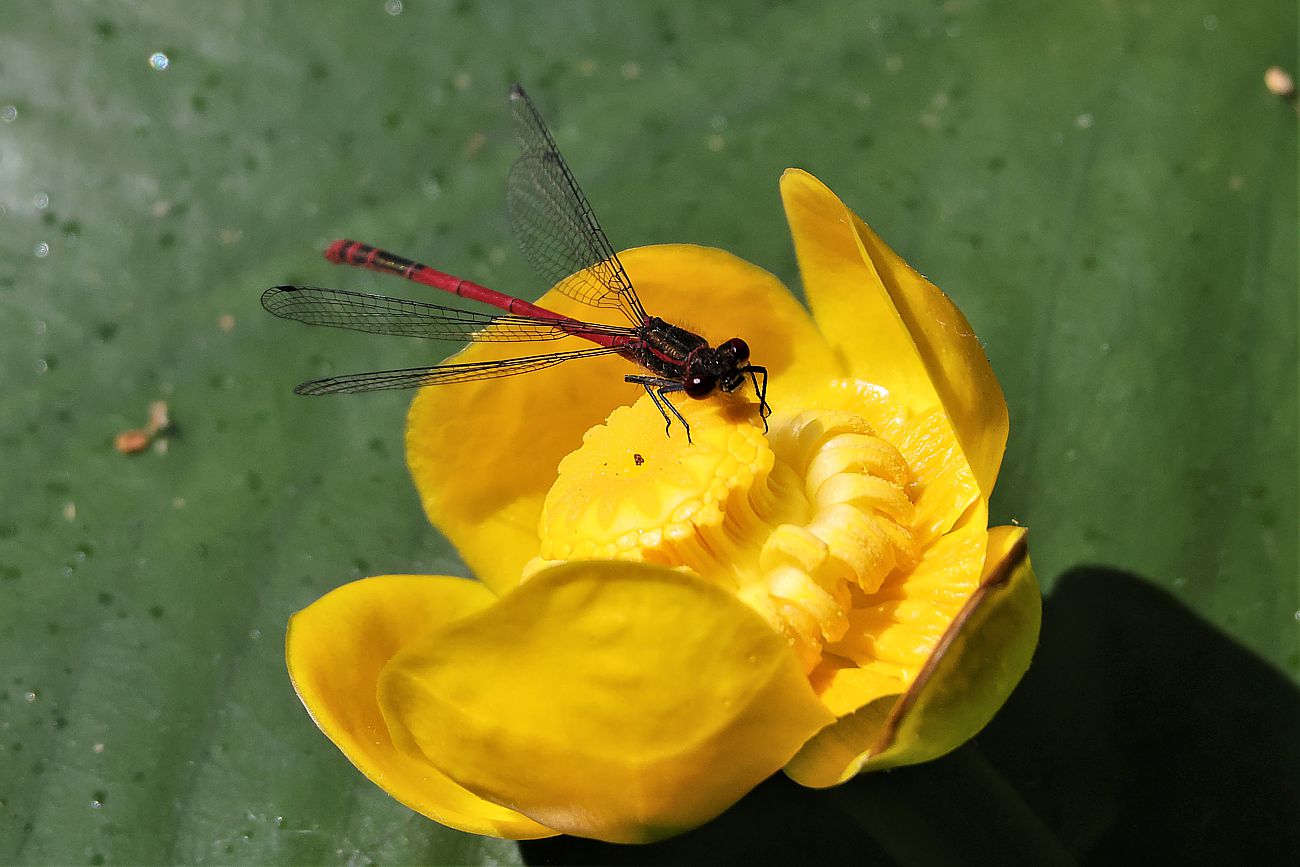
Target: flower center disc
{"points": [[795, 523]]}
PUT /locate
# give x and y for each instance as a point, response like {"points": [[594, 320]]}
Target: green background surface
{"points": [[1107, 190]]}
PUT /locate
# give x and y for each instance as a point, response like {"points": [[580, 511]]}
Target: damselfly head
{"points": [[730, 358]]}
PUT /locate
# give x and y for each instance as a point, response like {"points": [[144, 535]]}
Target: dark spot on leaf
{"points": [[156, 612], [199, 103], [105, 29], [167, 240], [105, 598], [997, 164], [666, 32], [106, 331]]}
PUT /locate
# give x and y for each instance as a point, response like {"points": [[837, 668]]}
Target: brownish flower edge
{"points": [[996, 581]]}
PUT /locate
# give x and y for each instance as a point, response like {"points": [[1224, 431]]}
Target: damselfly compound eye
{"points": [[737, 349], [700, 384]]}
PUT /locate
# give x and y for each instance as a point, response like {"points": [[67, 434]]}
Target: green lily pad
{"points": [[1107, 191]]}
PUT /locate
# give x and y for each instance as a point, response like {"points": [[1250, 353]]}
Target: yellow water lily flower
{"points": [[658, 625]]}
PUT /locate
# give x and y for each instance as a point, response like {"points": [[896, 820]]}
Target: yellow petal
{"points": [[967, 678], [336, 648], [943, 482], [894, 631], [619, 701], [484, 454], [893, 326]]}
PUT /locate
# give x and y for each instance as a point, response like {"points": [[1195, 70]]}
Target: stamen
{"points": [[803, 525]]}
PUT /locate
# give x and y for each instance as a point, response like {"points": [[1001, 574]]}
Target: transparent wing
{"points": [[379, 314], [444, 374], [555, 225]]}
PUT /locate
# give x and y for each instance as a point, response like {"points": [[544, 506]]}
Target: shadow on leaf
{"points": [[1142, 732]]}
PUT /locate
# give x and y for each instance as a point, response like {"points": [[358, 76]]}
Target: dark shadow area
{"points": [[780, 822], [1141, 734]]}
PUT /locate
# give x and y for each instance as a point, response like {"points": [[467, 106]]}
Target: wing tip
{"points": [[314, 388], [270, 295]]}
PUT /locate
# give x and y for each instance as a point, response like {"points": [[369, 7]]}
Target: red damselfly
{"points": [[559, 234]]}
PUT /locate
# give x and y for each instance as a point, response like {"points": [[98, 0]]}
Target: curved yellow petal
{"points": [[619, 701], [944, 482], [979, 660], [483, 454], [893, 632], [893, 326], [336, 648]]}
